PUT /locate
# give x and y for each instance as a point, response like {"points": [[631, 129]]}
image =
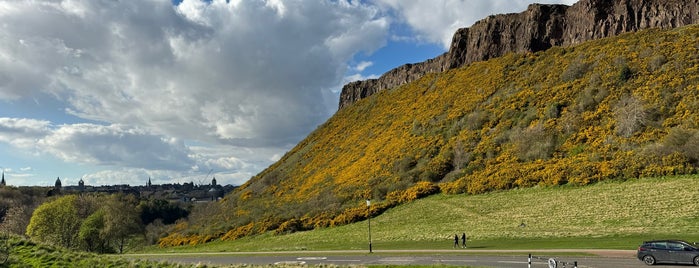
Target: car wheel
{"points": [[696, 260], [649, 260]]}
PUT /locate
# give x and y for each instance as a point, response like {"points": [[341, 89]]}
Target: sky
{"points": [[117, 92]]}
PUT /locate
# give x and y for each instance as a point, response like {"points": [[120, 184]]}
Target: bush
{"points": [[576, 70]]}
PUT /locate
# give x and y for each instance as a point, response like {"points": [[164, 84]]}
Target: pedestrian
{"points": [[456, 241], [463, 240]]}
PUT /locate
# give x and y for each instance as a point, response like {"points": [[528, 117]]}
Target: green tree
{"points": [[56, 222], [91, 233], [162, 209], [121, 220]]}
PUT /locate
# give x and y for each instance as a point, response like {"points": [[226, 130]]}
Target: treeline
{"points": [[95, 222], [612, 109]]}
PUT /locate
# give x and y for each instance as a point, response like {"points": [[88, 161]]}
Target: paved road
{"points": [[480, 258]]}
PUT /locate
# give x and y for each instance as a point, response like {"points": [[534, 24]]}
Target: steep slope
{"points": [[538, 28], [614, 108]]}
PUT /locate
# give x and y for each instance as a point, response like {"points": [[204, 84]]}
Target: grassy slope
{"points": [[24, 253], [615, 215], [615, 108]]}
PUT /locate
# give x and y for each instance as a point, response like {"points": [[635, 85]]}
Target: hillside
{"points": [[538, 28], [606, 215], [611, 109]]}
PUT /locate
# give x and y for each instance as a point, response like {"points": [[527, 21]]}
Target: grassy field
{"points": [[607, 215]]}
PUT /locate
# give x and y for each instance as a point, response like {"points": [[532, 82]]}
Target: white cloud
{"points": [[360, 67], [130, 155], [116, 145], [135, 177], [113, 145], [21, 132], [247, 73]]}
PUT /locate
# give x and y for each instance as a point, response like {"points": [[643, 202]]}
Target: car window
{"points": [[675, 246], [659, 245]]}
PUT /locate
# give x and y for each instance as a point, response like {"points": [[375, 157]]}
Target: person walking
{"points": [[463, 240], [456, 241]]}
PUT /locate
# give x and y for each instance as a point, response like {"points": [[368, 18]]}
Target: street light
{"points": [[368, 209]]}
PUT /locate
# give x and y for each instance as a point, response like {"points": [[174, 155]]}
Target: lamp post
{"points": [[368, 209]]}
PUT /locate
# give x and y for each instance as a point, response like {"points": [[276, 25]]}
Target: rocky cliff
{"points": [[538, 28]]}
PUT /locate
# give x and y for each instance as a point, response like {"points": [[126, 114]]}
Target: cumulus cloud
{"points": [[21, 132], [154, 76], [130, 153], [115, 145], [247, 73]]}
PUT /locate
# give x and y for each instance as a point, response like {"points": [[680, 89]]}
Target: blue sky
{"points": [[115, 92]]}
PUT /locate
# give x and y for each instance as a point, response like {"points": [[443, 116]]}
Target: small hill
{"points": [[19, 252], [611, 109]]}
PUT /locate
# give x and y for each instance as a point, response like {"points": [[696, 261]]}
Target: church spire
{"points": [[2, 183]]}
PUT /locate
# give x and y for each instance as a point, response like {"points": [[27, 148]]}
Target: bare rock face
{"points": [[538, 28], [402, 75], [594, 19]]}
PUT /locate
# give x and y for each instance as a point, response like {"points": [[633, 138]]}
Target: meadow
{"points": [[604, 215]]}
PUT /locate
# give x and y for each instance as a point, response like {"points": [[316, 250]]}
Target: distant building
{"points": [[81, 185], [213, 182], [2, 183], [56, 188], [149, 184]]}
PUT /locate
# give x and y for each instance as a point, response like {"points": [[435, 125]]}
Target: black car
{"points": [[668, 251]]}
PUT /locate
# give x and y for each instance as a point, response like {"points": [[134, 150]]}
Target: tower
{"points": [[213, 182], [2, 183], [149, 184], [81, 185], [57, 186]]}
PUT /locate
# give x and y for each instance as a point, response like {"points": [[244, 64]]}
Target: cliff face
{"points": [[538, 28]]}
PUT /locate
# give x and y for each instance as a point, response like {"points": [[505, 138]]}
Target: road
{"points": [[480, 258]]}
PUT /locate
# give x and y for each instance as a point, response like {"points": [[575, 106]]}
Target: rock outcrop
{"points": [[538, 28]]}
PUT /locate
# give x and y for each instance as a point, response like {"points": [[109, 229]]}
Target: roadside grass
{"points": [[606, 215], [409, 266], [24, 253]]}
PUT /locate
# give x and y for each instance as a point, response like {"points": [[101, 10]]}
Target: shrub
{"points": [[576, 69]]}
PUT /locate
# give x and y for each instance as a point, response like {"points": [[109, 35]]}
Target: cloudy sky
{"points": [[115, 92]]}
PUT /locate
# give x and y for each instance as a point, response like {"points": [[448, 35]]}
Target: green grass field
{"points": [[607, 215]]}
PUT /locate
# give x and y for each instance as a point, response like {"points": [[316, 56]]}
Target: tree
{"points": [[630, 116], [16, 219], [91, 233], [56, 222], [121, 220], [161, 209]]}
